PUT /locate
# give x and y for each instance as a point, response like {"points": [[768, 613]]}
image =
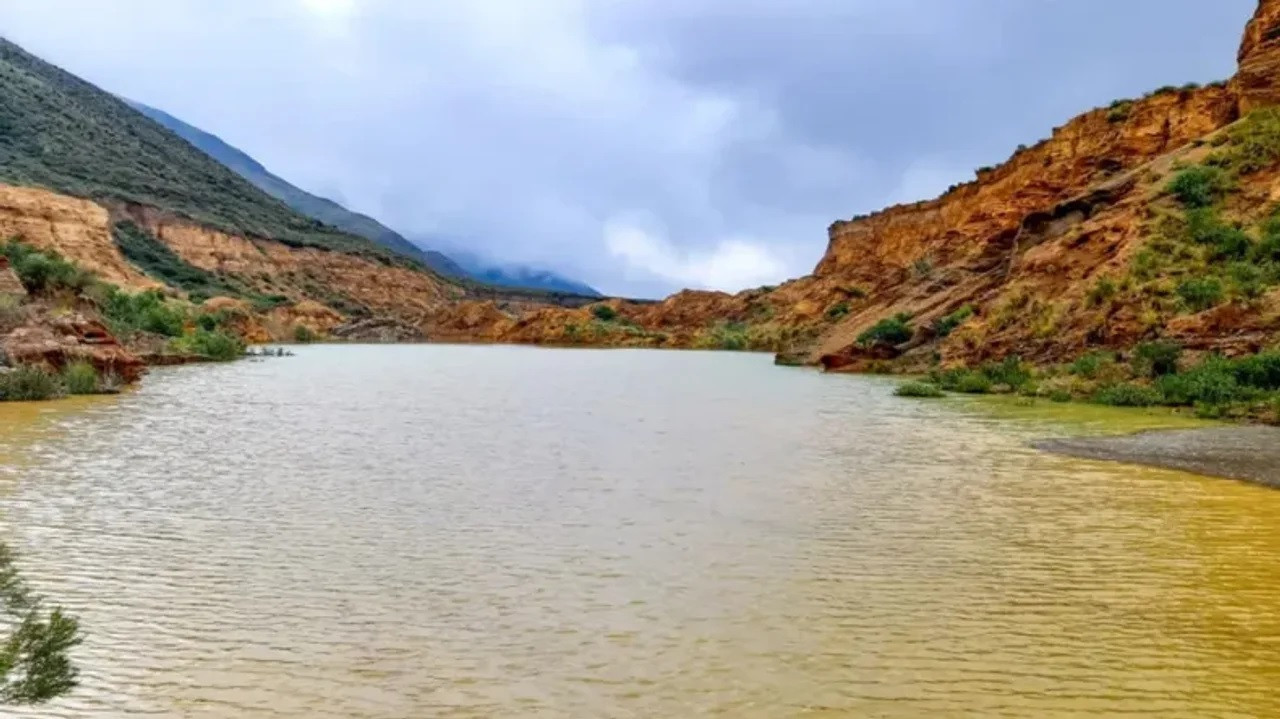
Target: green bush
{"points": [[1156, 359], [1248, 280], [304, 334], [1199, 186], [1254, 143], [27, 383], [1128, 395], [1011, 372], [80, 378], [1261, 370], [1201, 293], [1104, 288], [604, 313], [919, 389], [1091, 364], [1268, 248], [144, 311], [891, 330], [948, 324], [45, 272], [973, 383], [838, 310], [1212, 382], [1205, 227], [216, 346]]}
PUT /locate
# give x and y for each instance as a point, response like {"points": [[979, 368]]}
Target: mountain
{"points": [[322, 209], [520, 276], [332, 213], [63, 134]]}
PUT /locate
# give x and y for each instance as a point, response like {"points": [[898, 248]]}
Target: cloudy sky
{"points": [[638, 145]]}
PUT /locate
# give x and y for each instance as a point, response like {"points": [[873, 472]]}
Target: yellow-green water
{"points": [[509, 532]]}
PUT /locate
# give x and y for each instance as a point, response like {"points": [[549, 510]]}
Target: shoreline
{"points": [[1246, 453]]}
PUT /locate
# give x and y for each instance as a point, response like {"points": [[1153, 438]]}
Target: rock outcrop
{"points": [[60, 340]]}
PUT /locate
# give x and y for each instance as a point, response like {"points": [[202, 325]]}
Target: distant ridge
{"points": [[334, 214]]}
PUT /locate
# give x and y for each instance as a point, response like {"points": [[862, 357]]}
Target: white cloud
{"points": [[730, 265]]}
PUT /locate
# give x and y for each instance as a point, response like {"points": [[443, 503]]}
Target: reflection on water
{"points": [[504, 532]]}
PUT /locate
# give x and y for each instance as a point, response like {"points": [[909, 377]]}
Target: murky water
{"points": [[508, 532]]}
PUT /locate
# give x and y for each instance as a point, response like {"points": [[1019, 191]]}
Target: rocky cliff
{"points": [[1045, 256]]}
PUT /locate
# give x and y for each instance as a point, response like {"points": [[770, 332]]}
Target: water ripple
{"points": [[473, 532]]}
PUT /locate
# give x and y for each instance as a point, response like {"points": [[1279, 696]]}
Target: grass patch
{"points": [[80, 378], [922, 390], [1201, 293], [29, 383], [303, 334], [1199, 186], [217, 346]]}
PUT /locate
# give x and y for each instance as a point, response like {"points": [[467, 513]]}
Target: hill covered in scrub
{"points": [[1144, 228]]}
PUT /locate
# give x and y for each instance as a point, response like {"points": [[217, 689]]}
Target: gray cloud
{"points": [[639, 145]]}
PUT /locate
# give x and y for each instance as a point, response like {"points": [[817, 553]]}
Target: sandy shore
{"points": [[1251, 454]]}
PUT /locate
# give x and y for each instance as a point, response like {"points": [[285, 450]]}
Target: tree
{"points": [[34, 666]]}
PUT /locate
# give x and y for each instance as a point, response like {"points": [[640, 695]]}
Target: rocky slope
{"points": [[1073, 244], [1036, 257]]}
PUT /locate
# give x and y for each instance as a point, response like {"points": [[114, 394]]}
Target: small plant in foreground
{"points": [[34, 662], [922, 390]]}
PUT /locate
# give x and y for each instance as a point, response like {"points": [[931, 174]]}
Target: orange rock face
{"points": [[1259, 58], [59, 341]]}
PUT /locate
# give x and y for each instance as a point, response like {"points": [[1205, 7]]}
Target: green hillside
{"points": [[62, 133]]}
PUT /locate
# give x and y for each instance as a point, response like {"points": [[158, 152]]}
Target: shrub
{"points": [[1261, 370], [973, 383], [1212, 382], [215, 346], [891, 330], [1104, 288], [304, 334], [1226, 241], [946, 325], [266, 303], [604, 313], [80, 378], [45, 272], [27, 383], [1201, 293], [12, 312], [922, 268], [1119, 110], [1156, 359], [146, 311], [1198, 186], [838, 310], [1010, 371], [1127, 395], [919, 389], [1247, 280], [1091, 364], [1254, 143]]}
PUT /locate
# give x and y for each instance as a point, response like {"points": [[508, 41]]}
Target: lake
{"points": [[466, 531]]}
